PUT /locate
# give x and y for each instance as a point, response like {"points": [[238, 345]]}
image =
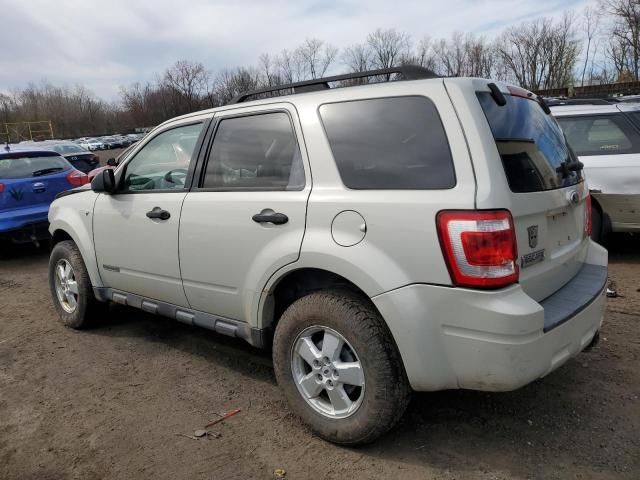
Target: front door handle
{"points": [[266, 217], [159, 213]]}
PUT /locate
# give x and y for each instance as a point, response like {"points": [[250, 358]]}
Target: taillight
{"points": [[588, 223], [1, 187], [77, 178], [479, 247]]}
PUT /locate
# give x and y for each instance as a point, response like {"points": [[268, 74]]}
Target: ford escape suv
{"points": [[428, 233]]}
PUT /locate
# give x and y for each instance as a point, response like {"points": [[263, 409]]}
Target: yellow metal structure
{"points": [[19, 131]]}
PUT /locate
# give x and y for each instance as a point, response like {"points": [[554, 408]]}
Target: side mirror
{"points": [[104, 182], [112, 162]]}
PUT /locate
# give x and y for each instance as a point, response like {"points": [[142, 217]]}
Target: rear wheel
{"points": [[71, 288], [339, 368]]}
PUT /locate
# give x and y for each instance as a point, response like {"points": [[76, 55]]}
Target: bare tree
{"points": [[388, 47], [590, 26], [357, 57], [315, 57], [190, 81], [541, 54], [624, 48]]}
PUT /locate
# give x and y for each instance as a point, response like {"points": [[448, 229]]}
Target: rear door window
{"points": [[255, 152], [600, 134], [389, 143], [533, 149]]}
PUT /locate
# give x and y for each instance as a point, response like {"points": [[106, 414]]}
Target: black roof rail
{"points": [[408, 72], [554, 102]]}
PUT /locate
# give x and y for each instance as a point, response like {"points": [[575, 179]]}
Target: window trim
{"points": [[192, 164], [203, 162], [387, 97], [631, 127]]}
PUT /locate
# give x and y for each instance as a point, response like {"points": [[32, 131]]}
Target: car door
{"points": [[136, 229], [245, 216]]}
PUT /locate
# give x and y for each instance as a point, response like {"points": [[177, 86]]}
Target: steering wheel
{"points": [[177, 176]]}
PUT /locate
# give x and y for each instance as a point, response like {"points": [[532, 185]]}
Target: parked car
{"points": [[77, 156], [30, 178], [92, 144], [606, 138], [111, 163], [423, 234]]}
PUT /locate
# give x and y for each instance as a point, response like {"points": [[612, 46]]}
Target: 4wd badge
{"points": [[533, 236]]}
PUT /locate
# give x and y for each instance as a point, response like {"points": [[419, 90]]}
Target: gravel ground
{"points": [[111, 402]]}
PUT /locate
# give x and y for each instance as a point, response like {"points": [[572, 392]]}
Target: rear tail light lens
{"points": [[479, 247], [588, 223], [77, 178], [1, 187]]}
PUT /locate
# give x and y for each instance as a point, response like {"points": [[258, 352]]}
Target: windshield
{"points": [[26, 167], [533, 149]]}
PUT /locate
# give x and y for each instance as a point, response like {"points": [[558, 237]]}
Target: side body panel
{"points": [[73, 214], [225, 256], [400, 244]]}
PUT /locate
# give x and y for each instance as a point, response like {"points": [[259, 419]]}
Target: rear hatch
{"points": [[85, 162], [29, 179], [546, 192]]}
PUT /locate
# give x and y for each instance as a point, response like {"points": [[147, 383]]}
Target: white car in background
{"points": [[606, 138], [92, 144]]}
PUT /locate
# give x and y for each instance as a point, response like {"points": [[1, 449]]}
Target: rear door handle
{"points": [[275, 218], [159, 213]]}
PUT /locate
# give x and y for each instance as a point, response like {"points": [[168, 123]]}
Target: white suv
{"points": [[606, 138], [423, 234]]}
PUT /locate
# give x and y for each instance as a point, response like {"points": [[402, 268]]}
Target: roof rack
{"points": [[554, 102], [408, 72]]}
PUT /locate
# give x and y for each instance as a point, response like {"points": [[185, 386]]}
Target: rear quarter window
{"points": [[600, 134], [395, 143]]}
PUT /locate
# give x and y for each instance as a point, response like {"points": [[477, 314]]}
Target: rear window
{"points": [[25, 167], [67, 148], [389, 143], [600, 134], [532, 146]]}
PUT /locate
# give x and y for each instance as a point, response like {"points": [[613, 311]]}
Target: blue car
{"points": [[30, 178]]}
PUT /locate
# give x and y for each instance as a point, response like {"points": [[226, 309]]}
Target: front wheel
{"points": [[339, 368], [70, 286]]}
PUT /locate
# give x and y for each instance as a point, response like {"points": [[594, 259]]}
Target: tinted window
{"points": [[67, 148], [257, 152], [600, 134], [389, 143], [163, 162], [25, 167], [532, 146]]}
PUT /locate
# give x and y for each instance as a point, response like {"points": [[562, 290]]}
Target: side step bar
{"points": [[225, 326]]}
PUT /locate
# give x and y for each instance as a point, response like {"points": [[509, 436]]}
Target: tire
{"points": [[86, 308], [376, 406], [596, 225]]}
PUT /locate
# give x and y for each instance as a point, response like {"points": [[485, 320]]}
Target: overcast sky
{"points": [[104, 45]]}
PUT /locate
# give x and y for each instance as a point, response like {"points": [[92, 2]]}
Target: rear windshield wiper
{"points": [[567, 167], [46, 171]]}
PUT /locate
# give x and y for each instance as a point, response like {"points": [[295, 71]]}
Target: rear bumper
{"points": [[493, 341], [25, 224]]}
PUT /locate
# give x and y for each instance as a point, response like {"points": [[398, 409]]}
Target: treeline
{"points": [[599, 45]]}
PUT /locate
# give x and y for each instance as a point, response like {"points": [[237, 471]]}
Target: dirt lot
{"points": [[108, 403]]}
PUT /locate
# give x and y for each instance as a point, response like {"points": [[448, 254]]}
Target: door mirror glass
{"points": [[104, 182]]}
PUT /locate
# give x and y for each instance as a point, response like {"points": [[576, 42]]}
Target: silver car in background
{"points": [[606, 138]]}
